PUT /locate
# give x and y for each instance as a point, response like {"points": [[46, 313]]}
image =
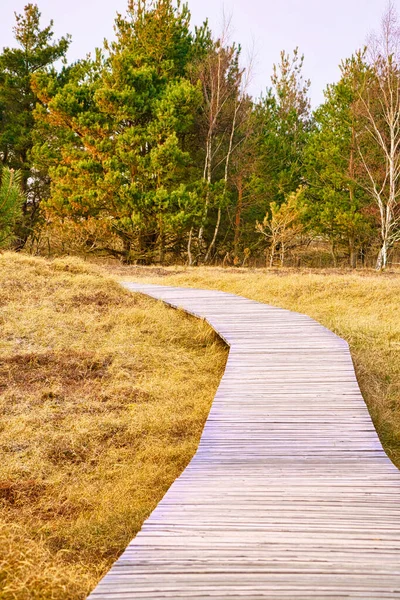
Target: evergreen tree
{"points": [[337, 206], [128, 126], [285, 119], [11, 202], [36, 52]]}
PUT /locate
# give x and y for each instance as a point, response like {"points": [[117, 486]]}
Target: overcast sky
{"points": [[326, 31]]}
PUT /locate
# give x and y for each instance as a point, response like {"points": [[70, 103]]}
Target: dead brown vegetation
{"points": [[103, 397]]}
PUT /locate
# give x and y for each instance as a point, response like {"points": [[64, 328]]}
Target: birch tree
{"points": [[378, 108], [224, 95]]}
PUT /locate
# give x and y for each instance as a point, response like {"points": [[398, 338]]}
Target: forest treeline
{"points": [[152, 150]]}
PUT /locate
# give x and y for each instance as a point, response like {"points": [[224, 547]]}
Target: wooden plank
{"points": [[290, 495]]}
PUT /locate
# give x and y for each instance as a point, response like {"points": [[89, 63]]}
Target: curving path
{"points": [[290, 495]]}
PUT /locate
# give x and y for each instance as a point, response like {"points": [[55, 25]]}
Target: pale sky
{"points": [[325, 31]]}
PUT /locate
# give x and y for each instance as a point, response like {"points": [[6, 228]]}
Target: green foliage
{"points": [[126, 122], [285, 119], [12, 200], [36, 52], [151, 149], [283, 225], [337, 205]]}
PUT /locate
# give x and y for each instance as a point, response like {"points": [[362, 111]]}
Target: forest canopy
{"points": [[151, 150]]}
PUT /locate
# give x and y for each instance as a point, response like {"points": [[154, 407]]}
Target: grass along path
{"points": [[103, 397], [362, 307]]}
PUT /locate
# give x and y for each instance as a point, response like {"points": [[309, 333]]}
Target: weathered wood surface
{"points": [[290, 495]]}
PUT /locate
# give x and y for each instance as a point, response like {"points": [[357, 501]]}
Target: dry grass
{"points": [[104, 395], [103, 399], [362, 307]]}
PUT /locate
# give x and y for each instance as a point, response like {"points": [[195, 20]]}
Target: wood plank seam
{"points": [[290, 495]]}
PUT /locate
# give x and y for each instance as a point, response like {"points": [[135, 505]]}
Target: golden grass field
{"points": [[363, 307], [103, 397]]}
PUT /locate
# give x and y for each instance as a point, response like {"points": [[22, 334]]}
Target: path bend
{"points": [[290, 495]]}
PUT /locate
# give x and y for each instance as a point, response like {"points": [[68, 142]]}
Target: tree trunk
{"points": [[272, 254], [238, 216], [210, 247], [362, 256], [282, 254], [333, 252], [207, 177], [161, 241], [161, 249], [189, 248], [352, 254], [381, 262], [126, 257]]}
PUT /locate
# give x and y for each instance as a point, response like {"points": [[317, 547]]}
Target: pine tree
{"points": [[12, 199], [127, 123], [36, 52], [285, 120], [337, 206]]}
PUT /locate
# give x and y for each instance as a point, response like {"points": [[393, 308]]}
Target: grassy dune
{"points": [[362, 307], [103, 396]]}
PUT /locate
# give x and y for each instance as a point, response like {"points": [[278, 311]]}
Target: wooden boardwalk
{"points": [[290, 495]]}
